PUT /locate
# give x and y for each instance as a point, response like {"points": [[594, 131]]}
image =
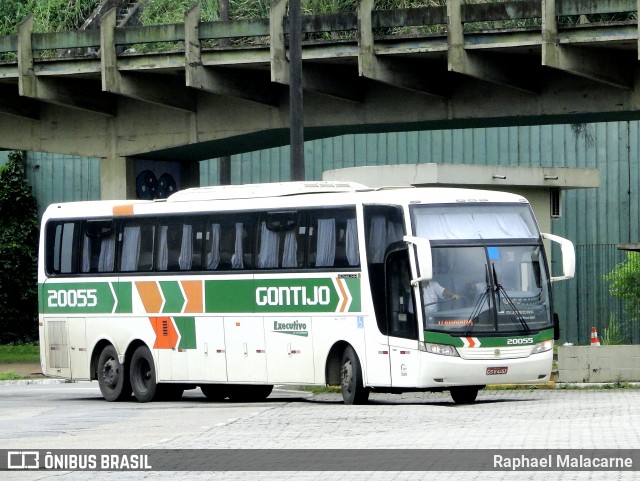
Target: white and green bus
{"points": [[235, 289]]}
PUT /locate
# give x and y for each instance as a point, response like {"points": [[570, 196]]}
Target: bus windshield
{"points": [[489, 273]]}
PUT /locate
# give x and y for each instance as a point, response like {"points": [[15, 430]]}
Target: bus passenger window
{"points": [[278, 234], [98, 246], [175, 251], [136, 246], [226, 243], [333, 239], [61, 252]]}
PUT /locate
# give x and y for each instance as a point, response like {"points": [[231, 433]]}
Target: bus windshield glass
{"points": [[489, 273]]}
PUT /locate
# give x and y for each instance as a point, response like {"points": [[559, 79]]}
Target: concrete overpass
{"points": [[454, 66]]}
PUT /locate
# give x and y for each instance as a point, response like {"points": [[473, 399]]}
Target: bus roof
{"points": [[308, 194], [275, 189]]}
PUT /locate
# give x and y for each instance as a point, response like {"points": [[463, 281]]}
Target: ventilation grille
{"points": [[58, 344], [556, 204]]}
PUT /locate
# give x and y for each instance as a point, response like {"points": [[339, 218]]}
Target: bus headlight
{"points": [[441, 349], [542, 346]]}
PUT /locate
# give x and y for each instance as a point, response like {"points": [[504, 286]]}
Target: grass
{"points": [[11, 376], [19, 353]]}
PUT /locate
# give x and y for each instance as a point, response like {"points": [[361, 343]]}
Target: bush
{"points": [[18, 254], [624, 284]]}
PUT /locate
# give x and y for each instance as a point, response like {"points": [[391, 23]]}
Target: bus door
{"points": [[402, 320], [290, 346], [245, 349]]}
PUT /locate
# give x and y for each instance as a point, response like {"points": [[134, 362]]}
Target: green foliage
{"points": [[616, 333], [624, 284], [11, 376], [49, 15], [12, 353], [18, 254]]}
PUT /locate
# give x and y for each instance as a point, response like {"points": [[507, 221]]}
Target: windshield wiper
{"points": [[514, 310], [477, 309]]}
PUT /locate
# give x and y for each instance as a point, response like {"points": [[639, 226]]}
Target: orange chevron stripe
{"points": [[150, 295], [193, 291], [345, 297], [166, 335]]}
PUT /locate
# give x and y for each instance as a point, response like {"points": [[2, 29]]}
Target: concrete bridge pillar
{"points": [[117, 178]]}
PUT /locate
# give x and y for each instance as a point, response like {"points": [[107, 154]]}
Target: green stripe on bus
{"points": [[281, 295], [187, 329], [456, 340], [173, 298]]}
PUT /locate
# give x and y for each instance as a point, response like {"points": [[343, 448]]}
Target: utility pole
{"points": [[224, 162], [296, 120]]}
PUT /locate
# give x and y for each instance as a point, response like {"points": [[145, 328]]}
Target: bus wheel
{"points": [[143, 375], [247, 393], [112, 376], [353, 390], [214, 392], [464, 395]]}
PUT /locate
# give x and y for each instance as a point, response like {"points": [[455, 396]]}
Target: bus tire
{"points": [[214, 392], [464, 394], [113, 378], [142, 373], [353, 390], [248, 393]]}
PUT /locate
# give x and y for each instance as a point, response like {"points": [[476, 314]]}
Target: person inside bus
{"points": [[433, 293]]}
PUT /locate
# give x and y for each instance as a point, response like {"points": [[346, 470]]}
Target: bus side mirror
{"points": [[568, 256], [425, 263]]}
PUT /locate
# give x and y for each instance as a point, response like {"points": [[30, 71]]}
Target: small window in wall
{"points": [[136, 242], [98, 246], [556, 203]]}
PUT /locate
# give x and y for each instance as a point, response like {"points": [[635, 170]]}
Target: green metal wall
{"points": [[62, 178]]}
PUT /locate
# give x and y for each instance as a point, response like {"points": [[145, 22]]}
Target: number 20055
{"points": [[72, 298]]}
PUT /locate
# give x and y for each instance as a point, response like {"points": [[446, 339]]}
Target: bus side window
{"points": [[278, 240], [98, 246], [136, 245], [384, 225], [61, 251], [175, 250], [333, 238], [227, 245]]}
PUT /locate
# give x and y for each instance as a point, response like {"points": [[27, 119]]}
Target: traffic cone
{"points": [[595, 341]]}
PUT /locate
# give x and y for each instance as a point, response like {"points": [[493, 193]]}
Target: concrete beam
{"points": [[327, 80], [415, 76], [164, 90], [254, 86], [12, 104], [606, 67], [66, 93], [480, 65]]}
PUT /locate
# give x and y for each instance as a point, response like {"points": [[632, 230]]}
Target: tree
{"points": [[624, 283], [18, 254]]}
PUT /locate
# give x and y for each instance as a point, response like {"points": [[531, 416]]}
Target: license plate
{"points": [[491, 371]]}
